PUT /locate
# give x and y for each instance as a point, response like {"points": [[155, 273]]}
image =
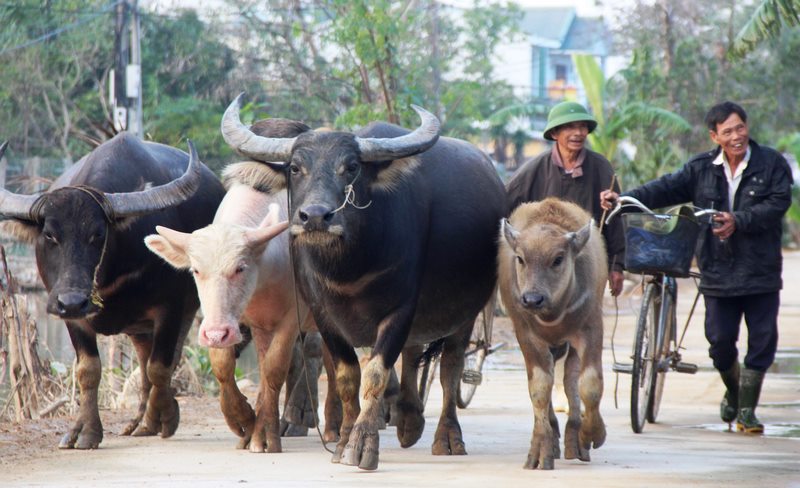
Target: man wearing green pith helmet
{"points": [[571, 172]]}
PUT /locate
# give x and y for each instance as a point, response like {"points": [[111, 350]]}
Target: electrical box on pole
{"points": [[125, 80]]}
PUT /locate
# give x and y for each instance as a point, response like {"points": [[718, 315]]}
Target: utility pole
{"points": [[126, 81]]}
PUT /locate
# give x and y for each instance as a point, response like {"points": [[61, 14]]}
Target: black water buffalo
{"points": [[393, 238], [88, 230]]}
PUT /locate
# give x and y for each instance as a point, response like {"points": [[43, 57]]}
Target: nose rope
{"points": [[350, 196]]}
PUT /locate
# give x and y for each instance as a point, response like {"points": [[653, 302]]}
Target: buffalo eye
{"points": [[558, 261], [49, 237], [194, 271], [520, 261], [96, 237], [294, 169], [240, 269]]}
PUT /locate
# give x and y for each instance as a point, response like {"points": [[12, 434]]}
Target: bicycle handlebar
{"points": [[628, 201]]}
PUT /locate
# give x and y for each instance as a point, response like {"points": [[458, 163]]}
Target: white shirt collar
{"points": [[720, 159]]}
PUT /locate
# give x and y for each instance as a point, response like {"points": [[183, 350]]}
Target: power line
{"points": [[61, 30]]}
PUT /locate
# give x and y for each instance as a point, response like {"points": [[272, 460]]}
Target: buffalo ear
{"points": [[21, 230], [509, 233], [577, 240], [171, 246], [270, 227]]}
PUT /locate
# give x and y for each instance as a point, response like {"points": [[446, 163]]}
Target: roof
{"points": [[561, 28]]}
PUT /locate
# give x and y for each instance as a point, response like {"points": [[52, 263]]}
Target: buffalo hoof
{"points": [[448, 441], [81, 437], [362, 449], [288, 429], [572, 445], [143, 431], [330, 435], [594, 434], [533, 462], [133, 425], [163, 421], [410, 424], [541, 453]]}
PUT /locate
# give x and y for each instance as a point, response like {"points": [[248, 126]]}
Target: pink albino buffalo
{"points": [[243, 275]]}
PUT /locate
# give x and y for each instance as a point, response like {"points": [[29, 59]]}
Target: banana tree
{"points": [[614, 123], [765, 23]]}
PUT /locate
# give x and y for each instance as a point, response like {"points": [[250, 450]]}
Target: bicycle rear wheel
{"points": [[661, 355], [643, 372], [426, 375], [475, 355]]}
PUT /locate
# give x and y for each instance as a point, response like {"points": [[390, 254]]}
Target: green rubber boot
{"points": [[729, 407], [749, 391]]}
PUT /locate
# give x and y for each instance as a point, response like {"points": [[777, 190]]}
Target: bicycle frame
{"points": [[656, 348]]}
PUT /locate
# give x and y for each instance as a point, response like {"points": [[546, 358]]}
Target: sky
{"points": [[588, 8]]}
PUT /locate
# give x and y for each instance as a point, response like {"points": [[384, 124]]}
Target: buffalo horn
{"points": [[245, 142], [160, 197], [388, 149], [13, 205]]}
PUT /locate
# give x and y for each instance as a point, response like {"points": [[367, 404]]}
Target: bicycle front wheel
{"points": [[643, 350], [661, 355], [475, 355]]}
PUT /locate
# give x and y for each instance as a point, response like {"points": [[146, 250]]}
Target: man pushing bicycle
{"points": [[740, 259]]}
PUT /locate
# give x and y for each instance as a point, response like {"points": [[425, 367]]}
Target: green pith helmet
{"points": [[566, 112]]}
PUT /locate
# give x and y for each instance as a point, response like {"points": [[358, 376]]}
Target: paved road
{"points": [[687, 447]]}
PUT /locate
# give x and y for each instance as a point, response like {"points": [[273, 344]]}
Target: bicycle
{"points": [[480, 346], [660, 247]]}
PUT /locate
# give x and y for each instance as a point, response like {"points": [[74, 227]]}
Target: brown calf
{"points": [[552, 270]]}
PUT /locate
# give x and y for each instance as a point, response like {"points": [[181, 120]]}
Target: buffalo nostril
{"points": [[72, 304], [316, 214], [532, 300]]}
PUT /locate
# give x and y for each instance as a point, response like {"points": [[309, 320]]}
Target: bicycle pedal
{"points": [[682, 367], [471, 377], [622, 368]]}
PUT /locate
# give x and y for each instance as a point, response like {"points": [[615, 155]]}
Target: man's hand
{"points": [[608, 199], [725, 225], [615, 281]]}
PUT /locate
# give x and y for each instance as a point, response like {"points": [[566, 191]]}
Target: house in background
{"points": [[538, 64]]}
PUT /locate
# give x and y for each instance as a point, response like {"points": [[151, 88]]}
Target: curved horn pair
{"points": [[17, 206], [269, 149]]}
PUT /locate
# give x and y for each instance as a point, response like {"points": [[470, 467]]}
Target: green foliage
{"points": [[767, 22], [624, 110]]}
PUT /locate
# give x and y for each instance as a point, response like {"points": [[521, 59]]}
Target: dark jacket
{"points": [[750, 261], [539, 178]]}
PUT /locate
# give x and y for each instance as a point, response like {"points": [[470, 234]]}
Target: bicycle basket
{"points": [[661, 243]]}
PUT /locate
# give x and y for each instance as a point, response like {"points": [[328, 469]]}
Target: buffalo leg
{"points": [[348, 382], [237, 412], [162, 414], [590, 388], [572, 448], [274, 354], [410, 421], [143, 344], [296, 395], [362, 447], [87, 431], [539, 367], [448, 439], [333, 404]]}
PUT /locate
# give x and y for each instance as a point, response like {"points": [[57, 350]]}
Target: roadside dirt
{"points": [[688, 446]]}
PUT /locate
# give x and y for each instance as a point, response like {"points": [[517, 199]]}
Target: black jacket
{"points": [[539, 178], [750, 261]]}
